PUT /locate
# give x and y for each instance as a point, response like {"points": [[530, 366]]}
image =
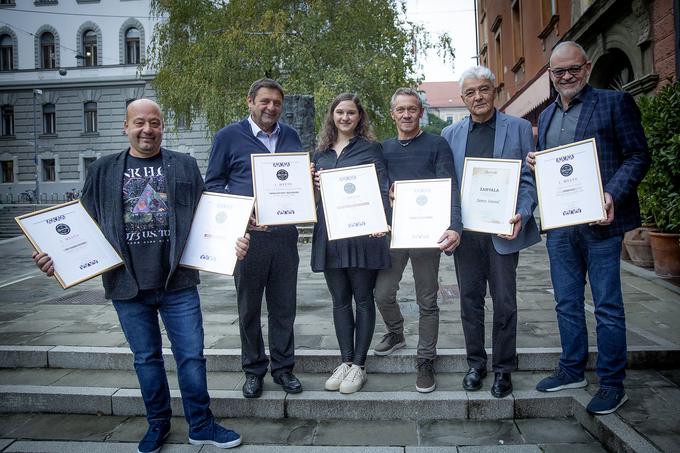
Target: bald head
{"points": [[144, 128], [570, 48], [569, 70]]}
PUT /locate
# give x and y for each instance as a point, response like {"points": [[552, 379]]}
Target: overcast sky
{"points": [[457, 17]]}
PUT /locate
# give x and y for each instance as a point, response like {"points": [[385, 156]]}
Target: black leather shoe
{"points": [[288, 381], [502, 385], [252, 388], [473, 379]]}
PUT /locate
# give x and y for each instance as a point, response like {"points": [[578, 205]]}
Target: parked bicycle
{"points": [[27, 196], [74, 194]]}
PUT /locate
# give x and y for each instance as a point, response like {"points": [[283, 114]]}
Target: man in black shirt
{"points": [[144, 199], [415, 154], [485, 258]]}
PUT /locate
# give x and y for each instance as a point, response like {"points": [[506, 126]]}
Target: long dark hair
{"points": [[329, 133]]}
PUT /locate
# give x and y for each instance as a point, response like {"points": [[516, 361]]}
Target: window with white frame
{"points": [[90, 48], [90, 117], [132, 46], [49, 119], [48, 59], [6, 53], [49, 170]]}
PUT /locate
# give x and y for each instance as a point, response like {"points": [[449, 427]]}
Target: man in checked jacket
{"points": [[611, 117]]}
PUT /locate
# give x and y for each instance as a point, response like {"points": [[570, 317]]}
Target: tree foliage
{"points": [[207, 53], [435, 124]]}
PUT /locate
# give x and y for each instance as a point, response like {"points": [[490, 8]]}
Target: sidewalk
{"points": [[36, 313]]}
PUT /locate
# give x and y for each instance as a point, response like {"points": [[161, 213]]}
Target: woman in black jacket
{"points": [[350, 265]]}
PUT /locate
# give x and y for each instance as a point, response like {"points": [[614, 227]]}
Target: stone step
{"points": [[111, 434], [311, 360]]}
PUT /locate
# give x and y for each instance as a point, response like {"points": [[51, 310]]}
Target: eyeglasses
{"points": [[483, 90], [573, 70]]}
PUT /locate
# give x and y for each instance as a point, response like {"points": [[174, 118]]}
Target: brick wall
{"points": [[663, 35]]}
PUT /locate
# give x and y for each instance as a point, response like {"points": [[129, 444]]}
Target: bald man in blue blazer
{"points": [[485, 257]]}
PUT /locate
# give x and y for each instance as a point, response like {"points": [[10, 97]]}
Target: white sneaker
{"points": [[339, 374], [355, 379]]}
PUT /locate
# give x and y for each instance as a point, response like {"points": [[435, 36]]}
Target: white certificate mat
{"points": [[283, 187], [489, 194], [569, 185], [421, 212], [220, 219], [72, 239], [352, 203]]}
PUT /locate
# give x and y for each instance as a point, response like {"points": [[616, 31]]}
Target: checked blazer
{"points": [[613, 119]]}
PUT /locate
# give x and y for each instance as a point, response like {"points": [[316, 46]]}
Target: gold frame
{"points": [[599, 183], [323, 196], [311, 186], [394, 207], [517, 162], [245, 230], [20, 218]]}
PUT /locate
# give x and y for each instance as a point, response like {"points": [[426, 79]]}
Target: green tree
{"points": [[435, 124], [207, 53]]}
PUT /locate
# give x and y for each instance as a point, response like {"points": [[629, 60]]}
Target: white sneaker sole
{"points": [[573, 385], [609, 411], [427, 390], [232, 444], [353, 389], [332, 387], [391, 350]]}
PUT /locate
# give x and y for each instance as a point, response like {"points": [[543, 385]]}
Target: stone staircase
{"points": [[101, 381], [8, 226]]}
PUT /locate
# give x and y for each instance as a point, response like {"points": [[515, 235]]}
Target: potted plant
{"points": [[660, 190]]}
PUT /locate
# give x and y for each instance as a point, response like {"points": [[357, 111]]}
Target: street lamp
{"points": [[36, 93]]}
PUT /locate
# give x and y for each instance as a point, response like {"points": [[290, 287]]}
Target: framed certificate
{"points": [[488, 196], [352, 204], [220, 219], [72, 239], [421, 212], [283, 187], [569, 185]]}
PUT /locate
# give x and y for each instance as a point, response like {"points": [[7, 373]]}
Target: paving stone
{"points": [[459, 432], [655, 413], [30, 398], [484, 406], [23, 356], [89, 447], [31, 376], [286, 431], [83, 357], [593, 447], [501, 449], [11, 422], [544, 431], [5, 442], [66, 427], [430, 449], [532, 403], [373, 405], [366, 432]]}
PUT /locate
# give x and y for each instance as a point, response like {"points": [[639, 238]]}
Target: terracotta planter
{"points": [[666, 251], [638, 246]]}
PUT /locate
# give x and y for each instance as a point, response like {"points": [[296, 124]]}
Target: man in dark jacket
{"points": [[613, 119], [271, 265], [144, 200]]}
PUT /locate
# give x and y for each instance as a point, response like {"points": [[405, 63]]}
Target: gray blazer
{"points": [[103, 198], [513, 140]]}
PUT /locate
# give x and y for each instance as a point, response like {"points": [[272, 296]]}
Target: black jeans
{"points": [[478, 262], [354, 335], [269, 269]]}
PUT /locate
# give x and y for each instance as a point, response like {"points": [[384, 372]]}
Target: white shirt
{"points": [[268, 140]]}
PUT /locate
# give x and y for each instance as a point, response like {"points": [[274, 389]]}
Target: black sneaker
{"points": [[607, 400], [425, 381], [390, 342]]}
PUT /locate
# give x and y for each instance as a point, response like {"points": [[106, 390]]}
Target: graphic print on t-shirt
{"points": [[144, 202]]}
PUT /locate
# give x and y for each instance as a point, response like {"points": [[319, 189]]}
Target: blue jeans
{"points": [[574, 252], [181, 315]]}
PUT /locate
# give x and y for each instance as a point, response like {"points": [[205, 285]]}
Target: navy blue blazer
{"points": [[613, 119], [513, 140]]}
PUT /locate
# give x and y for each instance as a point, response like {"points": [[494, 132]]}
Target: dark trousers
{"points": [[354, 335], [478, 262], [269, 269]]}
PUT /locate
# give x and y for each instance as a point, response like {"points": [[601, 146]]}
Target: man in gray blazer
{"points": [[144, 199], [484, 257]]}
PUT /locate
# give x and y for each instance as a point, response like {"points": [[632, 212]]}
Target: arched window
{"points": [[132, 48], [90, 48], [6, 53], [90, 116], [48, 58]]}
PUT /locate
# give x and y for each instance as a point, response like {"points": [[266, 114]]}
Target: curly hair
{"points": [[329, 133]]}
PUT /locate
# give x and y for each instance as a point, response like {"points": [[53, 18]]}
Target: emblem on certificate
{"points": [[72, 239], [220, 219], [569, 185], [489, 194], [421, 212], [283, 187], [352, 203]]}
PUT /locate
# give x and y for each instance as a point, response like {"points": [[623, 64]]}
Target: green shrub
{"points": [[660, 190]]}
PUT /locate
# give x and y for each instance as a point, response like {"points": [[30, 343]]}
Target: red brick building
{"points": [[633, 45]]}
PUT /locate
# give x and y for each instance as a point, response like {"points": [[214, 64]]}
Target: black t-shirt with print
{"points": [[145, 214]]}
